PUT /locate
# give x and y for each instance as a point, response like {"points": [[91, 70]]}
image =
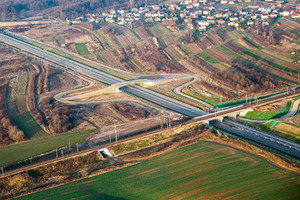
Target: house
{"points": [[264, 16], [224, 2], [206, 12], [295, 16], [285, 13], [233, 19], [112, 11], [174, 28], [157, 19], [265, 23], [202, 28], [273, 15], [219, 15], [250, 23], [189, 6], [221, 22], [203, 23]]}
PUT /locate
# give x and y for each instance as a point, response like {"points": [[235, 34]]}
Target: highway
{"points": [[260, 137], [164, 101], [136, 90]]}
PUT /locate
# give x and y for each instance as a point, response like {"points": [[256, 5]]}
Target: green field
{"points": [[17, 152], [268, 115], [203, 170], [252, 43], [82, 49], [208, 58]]}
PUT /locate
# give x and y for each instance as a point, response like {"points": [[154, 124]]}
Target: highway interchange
{"points": [[266, 139]]}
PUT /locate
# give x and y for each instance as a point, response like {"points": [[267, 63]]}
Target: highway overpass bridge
{"points": [[219, 115]]}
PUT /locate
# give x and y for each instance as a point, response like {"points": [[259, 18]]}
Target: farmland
{"points": [[203, 170], [17, 152], [82, 49]]}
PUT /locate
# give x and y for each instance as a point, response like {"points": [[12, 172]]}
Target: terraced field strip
{"points": [[14, 153], [203, 170], [208, 58], [104, 39], [131, 36], [173, 53], [219, 55], [82, 49], [251, 42]]}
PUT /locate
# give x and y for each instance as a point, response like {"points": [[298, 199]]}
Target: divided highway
{"points": [[167, 102]]}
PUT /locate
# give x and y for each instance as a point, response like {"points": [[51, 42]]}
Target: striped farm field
{"points": [[208, 58], [204, 170], [173, 53], [219, 55]]}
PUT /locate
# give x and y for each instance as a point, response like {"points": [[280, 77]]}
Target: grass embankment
{"points": [[82, 49], [228, 103], [203, 170], [287, 130], [268, 115], [17, 152]]}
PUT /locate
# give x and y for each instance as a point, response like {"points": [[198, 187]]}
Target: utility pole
{"points": [[62, 154], [116, 135], [69, 146], [77, 147], [56, 154], [2, 172]]}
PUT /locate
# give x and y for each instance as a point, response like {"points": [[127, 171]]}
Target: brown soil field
{"points": [[131, 36], [86, 90], [110, 58], [123, 40], [101, 97], [290, 25], [171, 53], [169, 39], [141, 32], [194, 48]]}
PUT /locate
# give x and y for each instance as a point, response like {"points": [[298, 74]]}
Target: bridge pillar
{"points": [[244, 112], [220, 119], [149, 83], [206, 123], [234, 116], [117, 89]]}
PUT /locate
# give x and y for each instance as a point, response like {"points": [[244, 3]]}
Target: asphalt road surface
{"points": [[167, 102]]}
